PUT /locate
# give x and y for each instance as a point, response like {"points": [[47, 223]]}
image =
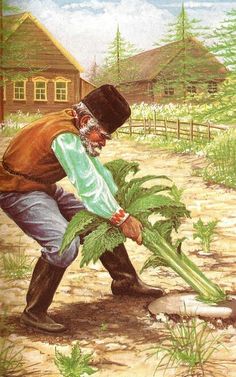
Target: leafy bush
{"points": [[221, 154], [75, 365], [142, 202]]}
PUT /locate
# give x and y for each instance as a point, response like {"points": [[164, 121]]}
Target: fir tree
{"points": [[223, 108], [183, 28], [191, 57], [116, 68], [93, 72]]}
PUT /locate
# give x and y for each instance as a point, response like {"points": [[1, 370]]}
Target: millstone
{"points": [[188, 305]]}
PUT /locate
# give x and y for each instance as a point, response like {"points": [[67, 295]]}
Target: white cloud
{"points": [[86, 28]]}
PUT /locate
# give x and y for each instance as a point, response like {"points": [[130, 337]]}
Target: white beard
{"points": [[90, 146]]}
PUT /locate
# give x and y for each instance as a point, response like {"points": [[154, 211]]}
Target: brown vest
{"points": [[29, 163]]}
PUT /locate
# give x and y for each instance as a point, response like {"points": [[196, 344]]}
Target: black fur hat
{"points": [[108, 106]]}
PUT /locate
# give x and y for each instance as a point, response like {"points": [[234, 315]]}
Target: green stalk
{"points": [[183, 266]]}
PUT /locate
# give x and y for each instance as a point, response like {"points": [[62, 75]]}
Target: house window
{"points": [[191, 89], [212, 87], [61, 89], [168, 90], [40, 89], [19, 90]]}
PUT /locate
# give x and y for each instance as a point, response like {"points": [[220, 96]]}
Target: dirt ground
{"points": [[119, 330]]}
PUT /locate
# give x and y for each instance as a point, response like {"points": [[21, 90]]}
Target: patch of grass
{"points": [[15, 121], [221, 155], [189, 344], [16, 266], [205, 232], [170, 143], [11, 360], [19, 117], [9, 130], [75, 365]]}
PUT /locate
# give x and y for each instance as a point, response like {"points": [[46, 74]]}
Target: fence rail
{"points": [[176, 128]]}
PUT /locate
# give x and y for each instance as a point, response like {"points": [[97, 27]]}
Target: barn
{"points": [[158, 70], [55, 80]]}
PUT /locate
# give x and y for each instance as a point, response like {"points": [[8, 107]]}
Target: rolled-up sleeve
{"points": [[93, 182]]}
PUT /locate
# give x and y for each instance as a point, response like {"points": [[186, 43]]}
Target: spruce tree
{"points": [[117, 68], [93, 71], [191, 64], [223, 108]]}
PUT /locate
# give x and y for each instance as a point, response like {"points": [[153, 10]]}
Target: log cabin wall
{"points": [[56, 82]]}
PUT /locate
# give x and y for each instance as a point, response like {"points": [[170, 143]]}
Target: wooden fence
{"points": [[173, 128]]}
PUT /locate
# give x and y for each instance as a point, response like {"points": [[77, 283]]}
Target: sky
{"points": [[86, 27]]}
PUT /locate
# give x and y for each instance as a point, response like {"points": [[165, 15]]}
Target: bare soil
{"points": [[119, 330]]}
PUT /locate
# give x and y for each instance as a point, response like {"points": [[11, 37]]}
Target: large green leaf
{"points": [[133, 189], [151, 202], [120, 169], [164, 228], [82, 222], [153, 261], [105, 238]]}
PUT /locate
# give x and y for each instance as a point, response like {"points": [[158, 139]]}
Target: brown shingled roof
{"points": [[150, 63]]}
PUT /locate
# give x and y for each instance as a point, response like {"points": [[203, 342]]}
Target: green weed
{"points": [[205, 232], [103, 326], [16, 266], [221, 155], [75, 365], [189, 344], [11, 361]]}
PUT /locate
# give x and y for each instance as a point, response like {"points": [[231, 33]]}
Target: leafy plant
{"points": [[189, 343], [11, 361], [205, 232], [141, 202], [75, 365], [104, 327], [221, 155], [16, 266]]}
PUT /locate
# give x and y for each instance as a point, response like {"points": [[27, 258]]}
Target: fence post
{"points": [[155, 122], [165, 124], [191, 130], [178, 128], [209, 131], [130, 126], [145, 126]]}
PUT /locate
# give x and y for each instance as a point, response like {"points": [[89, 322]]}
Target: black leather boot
{"points": [[43, 285], [125, 279]]}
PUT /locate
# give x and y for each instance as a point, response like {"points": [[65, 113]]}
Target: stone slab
{"points": [[187, 304]]}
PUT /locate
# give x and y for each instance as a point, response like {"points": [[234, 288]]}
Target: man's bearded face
{"points": [[93, 137]]}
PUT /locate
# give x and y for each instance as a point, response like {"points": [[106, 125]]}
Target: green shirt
{"points": [[92, 180]]}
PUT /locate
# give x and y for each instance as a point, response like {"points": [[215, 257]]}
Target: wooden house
{"points": [[56, 81], [158, 73]]}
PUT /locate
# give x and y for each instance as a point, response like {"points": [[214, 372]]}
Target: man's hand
{"points": [[132, 228]]}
